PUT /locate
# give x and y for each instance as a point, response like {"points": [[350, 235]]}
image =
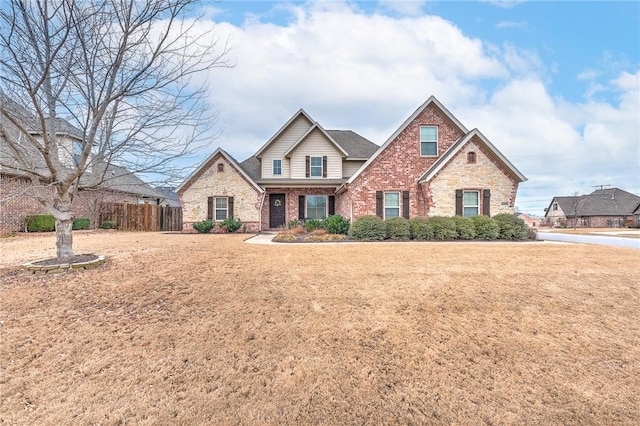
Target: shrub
{"points": [[297, 230], [420, 228], [511, 226], [486, 228], [319, 232], [336, 224], [444, 228], [285, 237], [397, 228], [81, 223], [368, 228], [294, 223], [40, 223], [108, 225], [204, 227], [313, 224], [532, 234], [464, 228], [230, 225]]}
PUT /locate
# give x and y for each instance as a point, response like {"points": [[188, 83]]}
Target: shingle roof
{"points": [[116, 178], [356, 146], [602, 202], [252, 167]]}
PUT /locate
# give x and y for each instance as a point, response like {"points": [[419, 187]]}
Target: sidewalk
{"points": [[263, 238]]}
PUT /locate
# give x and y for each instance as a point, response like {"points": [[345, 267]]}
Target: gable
{"points": [[316, 140], [405, 141], [286, 136], [482, 145], [208, 169]]}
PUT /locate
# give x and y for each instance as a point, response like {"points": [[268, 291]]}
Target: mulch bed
{"points": [[79, 258]]}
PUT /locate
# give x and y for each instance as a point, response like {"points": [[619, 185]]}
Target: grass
{"points": [[204, 329]]}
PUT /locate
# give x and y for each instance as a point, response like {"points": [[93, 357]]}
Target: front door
{"points": [[276, 210]]}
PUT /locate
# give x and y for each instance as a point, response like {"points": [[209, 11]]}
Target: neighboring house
{"points": [[171, 199], [17, 190], [431, 165], [604, 208], [530, 221]]}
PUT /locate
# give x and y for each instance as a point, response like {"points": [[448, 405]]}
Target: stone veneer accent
{"points": [[227, 183], [484, 174]]}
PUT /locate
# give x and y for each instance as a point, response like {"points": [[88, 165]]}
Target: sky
{"points": [[555, 86]]}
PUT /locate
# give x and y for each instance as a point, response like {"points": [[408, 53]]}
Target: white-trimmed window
{"points": [[391, 204], [221, 208], [471, 203], [428, 141], [316, 206], [277, 167], [315, 166], [77, 152]]}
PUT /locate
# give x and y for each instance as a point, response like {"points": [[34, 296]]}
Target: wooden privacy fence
{"points": [[142, 217]]}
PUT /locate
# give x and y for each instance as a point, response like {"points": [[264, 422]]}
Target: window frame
{"points": [[311, 167], [385, 206], [465, 205], [306, 206], [273, 167], [471, 157], [216, 208], [77, 152], [423, 142]]}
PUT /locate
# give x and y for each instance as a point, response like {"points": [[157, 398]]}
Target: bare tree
{"points": [[123, 73]]}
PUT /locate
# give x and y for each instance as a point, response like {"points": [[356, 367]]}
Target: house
{"points": [[603, 208], [530, 221], [101, 183], [431, 165]]}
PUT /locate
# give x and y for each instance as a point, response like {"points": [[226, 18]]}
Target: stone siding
{"points": [[484, 174], [227, 183]]}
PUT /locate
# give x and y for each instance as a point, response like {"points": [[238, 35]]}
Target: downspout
{"points": [[264, 196]]}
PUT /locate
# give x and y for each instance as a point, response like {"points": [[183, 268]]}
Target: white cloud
{"points": [[368, 73], [402, 7], [511, 24]]}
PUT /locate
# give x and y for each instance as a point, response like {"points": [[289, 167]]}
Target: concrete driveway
{"points": [[610, 239]]}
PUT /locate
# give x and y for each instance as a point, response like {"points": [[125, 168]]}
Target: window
{"points": [[555, 206], [471, 203], [471, 157], [222, 208], [221, 167], [77, 152], [277, 167], [391, 204], [428, 140], [316, 206], [316, 166]]}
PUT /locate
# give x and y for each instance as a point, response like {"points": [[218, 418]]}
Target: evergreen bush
{"points": [[397, 229], [336, 224], [81, 223], [464, 228], [421, 229], [40, 223], [368, 228], [511, 227], [230, 225], [107, 224], [204, 227], [486, 228], [444, 228]]}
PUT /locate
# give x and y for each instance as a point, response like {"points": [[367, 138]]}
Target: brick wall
{"points": [[400, 165], [17, 201], [291, 201]]}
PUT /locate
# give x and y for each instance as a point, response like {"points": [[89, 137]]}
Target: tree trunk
{"points": [[64, 240]]}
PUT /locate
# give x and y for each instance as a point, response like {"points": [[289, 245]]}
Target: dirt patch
{"points": [[205, 329]]}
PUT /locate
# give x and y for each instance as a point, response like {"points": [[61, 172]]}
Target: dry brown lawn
{"points": [[205, 329]]}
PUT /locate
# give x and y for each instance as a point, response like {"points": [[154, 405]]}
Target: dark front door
{"points": [[276, 210]]}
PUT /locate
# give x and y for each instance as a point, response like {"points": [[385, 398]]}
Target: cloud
{"points": [[511, 24], [369, 71], [407, 7]]}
